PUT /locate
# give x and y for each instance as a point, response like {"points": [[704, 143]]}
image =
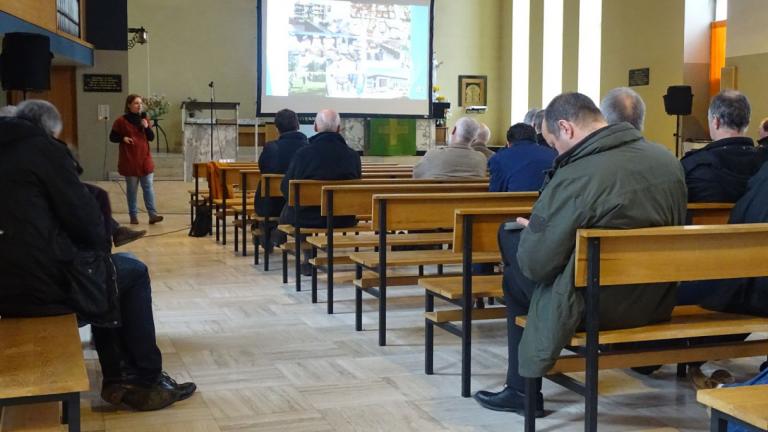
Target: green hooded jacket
{"points": [[612, 179]]}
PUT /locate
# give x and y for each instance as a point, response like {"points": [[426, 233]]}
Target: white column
{"points": [[552, 64]]}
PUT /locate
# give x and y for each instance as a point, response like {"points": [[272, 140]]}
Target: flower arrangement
{"points": [[157, 106]]}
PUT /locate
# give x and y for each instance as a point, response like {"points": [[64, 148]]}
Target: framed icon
{"points": [[473, 90]]}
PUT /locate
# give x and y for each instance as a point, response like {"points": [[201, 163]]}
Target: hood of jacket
{"points": [[324, 138]]}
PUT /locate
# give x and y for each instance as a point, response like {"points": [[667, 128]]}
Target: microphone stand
{"points": [[213, 98]]}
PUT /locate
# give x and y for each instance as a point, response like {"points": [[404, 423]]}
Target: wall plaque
{"points": [[108, 83], [639, 77]]}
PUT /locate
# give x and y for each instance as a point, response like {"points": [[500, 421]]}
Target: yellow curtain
{"points": [[716, 55]]}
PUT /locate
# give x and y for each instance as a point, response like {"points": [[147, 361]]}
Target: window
{"points": [[521, 17], [590, 47], [68, 16], [721, 10], [552, 78]]}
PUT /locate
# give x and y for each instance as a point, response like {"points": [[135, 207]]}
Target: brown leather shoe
{"points": [[134, 220], [155, 218]]}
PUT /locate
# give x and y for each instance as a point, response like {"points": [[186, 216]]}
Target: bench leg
{"points": [[244, 233], [216, 213], [285, 267], [439, 269], [297, 256], [429, 335], [71, 412], [358, 302], [530, 404], [717, 423], [237, 232], [314, 277], [265, 235], [383, 313], [466, 350], [256, 244], [682, 370], [421, 270]]}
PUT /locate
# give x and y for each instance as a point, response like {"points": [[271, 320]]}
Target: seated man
{"points": [[480, 143], [719, 172], [276, 157], [538, 119], [581, 192], [522, 166], [762, 141], [326, 157], [457, 159], [623, 104], [52, 216]]}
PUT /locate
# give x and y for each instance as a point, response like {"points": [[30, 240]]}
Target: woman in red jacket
{"points": [[133, 133]]}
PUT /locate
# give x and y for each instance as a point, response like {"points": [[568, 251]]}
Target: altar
{"points": [[207, 138]]}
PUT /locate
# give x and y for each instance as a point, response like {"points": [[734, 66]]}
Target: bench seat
{"points": [[451, 287], [288, 229], [419, 257], [746, 403], [686, 322], [372, 240]]}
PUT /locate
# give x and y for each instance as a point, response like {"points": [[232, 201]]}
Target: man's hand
{"points": [[522, 221], [128, 140]]}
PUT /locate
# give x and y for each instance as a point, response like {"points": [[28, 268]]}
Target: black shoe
{"points": [[184, 390], [143, 396], [124, 235], [508, 400], [646, 370]]}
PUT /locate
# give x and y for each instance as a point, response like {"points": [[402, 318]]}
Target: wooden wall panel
{"points": [[38, 12]]}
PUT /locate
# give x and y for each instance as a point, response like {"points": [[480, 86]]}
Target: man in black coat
{"points": [[720, 171], [53, 216], [327, 157], [277, 156]]}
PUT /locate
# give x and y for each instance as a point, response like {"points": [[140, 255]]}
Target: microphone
{"points": [[143, 114], [210, 84]]}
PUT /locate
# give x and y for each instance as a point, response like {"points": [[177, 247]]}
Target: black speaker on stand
{"points": [[26, 62], [678, 102]]}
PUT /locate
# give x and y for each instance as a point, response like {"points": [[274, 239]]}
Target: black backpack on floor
{"points": [[201, 226]]}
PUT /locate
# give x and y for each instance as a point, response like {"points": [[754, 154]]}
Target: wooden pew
{"points": [[41, 362], [269, 186], [475, 230], [656, 255], [357, 200], [742, 405], [309, 193], [481, 226], [228, 178], [419, 212], [243, 211]]}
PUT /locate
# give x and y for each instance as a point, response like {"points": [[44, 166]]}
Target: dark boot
{"points": [[143, 396], [508, 400], [124, 235]]}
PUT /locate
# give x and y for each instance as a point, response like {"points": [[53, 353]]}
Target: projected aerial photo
{"points": [[350, 50]]}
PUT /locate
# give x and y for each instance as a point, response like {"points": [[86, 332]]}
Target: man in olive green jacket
{"points": [[604, 177]]}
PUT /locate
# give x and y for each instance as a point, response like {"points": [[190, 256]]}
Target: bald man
{"points": [[457, 159], [326, 157]]}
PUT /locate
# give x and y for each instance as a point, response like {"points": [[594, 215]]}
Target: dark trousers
{"points": [[131, 349], [518, 291], [102, 198]]}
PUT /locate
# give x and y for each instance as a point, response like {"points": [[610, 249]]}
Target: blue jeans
{"points": [[148, 192], [131, 349]]}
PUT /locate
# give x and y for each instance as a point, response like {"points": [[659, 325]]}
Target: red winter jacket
{"points": [[135, 160]]}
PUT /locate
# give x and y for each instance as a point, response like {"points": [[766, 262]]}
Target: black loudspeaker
{"points": [[26, 62], [678, 100], [439, 108]]}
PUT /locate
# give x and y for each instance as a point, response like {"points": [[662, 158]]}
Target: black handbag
{"points": [[93, 291]]}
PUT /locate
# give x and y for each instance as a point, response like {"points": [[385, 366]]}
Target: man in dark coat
{"points": [[605, 176], [54, 216], [277, 156], [719, 172], [523, 165], [326, 157]]}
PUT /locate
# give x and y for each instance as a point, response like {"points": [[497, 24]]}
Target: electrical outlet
{"points": [[103, 112]]}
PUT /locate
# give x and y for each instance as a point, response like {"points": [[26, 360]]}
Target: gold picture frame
{"points": [[473, 90]]}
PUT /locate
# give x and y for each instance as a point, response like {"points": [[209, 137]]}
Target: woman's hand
{"points": [[144, 123], [128, 140]]}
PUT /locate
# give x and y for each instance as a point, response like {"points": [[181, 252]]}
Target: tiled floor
{"points": [[266, 359]]}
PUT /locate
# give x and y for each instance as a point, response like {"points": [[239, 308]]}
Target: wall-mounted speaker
{"points": [[678, 100], [26, 62]]}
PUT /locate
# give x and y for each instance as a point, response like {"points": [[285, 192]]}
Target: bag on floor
{"points": [[201, 226]]}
